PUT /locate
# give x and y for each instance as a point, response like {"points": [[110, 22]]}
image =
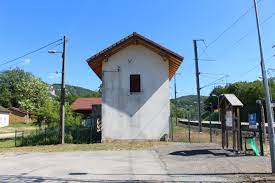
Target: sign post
{"points": [[261, 125], [253, 119]]}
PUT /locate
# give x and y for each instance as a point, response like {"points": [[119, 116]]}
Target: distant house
{"points": [[4, 117], [85, 105], [90, 108], [135, 74], [18, 115], [52, 90]]}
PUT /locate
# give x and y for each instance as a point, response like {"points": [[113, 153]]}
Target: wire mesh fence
{"points": [[188, 132], [50, 136]]}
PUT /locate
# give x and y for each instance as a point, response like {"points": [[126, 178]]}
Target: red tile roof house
{"points": [[18, 115], [90, 108], [85, 105], [135, 74]]}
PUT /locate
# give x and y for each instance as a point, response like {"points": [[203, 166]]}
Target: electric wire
{"points": [[29, 53], [228, 28]]}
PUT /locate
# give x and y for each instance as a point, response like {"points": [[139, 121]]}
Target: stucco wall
{"points": [[4, 119], [137, 116]]}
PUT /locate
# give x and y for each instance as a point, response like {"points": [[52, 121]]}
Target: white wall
{"points": [[137, 116], [4, 119]]}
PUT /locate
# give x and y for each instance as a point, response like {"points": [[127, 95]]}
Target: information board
{"points": [[252, 119], [228, 118]]}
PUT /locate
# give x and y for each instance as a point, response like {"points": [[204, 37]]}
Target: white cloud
{"points": [[27, 61]]}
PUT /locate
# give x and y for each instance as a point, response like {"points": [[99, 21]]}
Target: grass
{"points": [[84, 147], [20, 126], [6, 144], [181, 134]]}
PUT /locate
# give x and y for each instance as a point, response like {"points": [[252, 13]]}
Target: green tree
{"points": [[247, 92], [23, 90], [48, 114]]}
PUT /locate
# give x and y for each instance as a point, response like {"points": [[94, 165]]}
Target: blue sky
{"points": [[92, 25]]}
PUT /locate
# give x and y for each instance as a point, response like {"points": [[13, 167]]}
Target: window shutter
{"points": [[135, 83]]}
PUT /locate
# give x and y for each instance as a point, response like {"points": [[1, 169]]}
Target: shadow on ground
{"points": [[29, 179], [212, 152], [111, 177]]}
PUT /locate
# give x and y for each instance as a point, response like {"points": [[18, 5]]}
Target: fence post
{"points": [[210, 126], [261, 139], [171, 127], [189, 130], [260, 126], [22, 138], [210, 122], [77, 136], [45, 136], [15, 133]]}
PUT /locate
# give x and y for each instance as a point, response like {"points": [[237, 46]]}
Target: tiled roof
{"points": [[17, 109], [85, 103], [3, 109]]}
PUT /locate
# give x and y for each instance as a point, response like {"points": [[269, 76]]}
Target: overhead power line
{"points": [[22, 61], [207, 60], [247, 33], [214, 74], [255, 67], [214, 82], [29, 53], [228, 28]]}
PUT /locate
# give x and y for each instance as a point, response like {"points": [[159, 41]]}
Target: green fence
{"points": [[50, 136]]}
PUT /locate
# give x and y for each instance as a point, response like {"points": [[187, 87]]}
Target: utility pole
{"points": [[267, 95], [176, 103], [63, 92], [198, 82]]}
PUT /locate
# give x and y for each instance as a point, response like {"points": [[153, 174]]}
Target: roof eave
{"points": [[131, 39]]}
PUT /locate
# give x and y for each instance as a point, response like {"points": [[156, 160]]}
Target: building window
{"points": [[134, 83]]}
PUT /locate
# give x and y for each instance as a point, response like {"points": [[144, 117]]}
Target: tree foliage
{"points": [[247, 92], [186, 106], [48, 114], [23, 90]]}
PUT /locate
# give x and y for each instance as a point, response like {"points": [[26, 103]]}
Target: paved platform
{"points": [[177, 162]]}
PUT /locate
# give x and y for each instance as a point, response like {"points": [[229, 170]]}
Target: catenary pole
{"points": [[62, 100], [197, 82], [267, 95]]}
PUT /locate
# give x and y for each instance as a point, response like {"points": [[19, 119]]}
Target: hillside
{"points": [[188, 100], [77, 91]]}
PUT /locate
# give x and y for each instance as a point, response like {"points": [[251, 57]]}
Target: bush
{"points": [[40, 137], [50, 136], [48, 114]]}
